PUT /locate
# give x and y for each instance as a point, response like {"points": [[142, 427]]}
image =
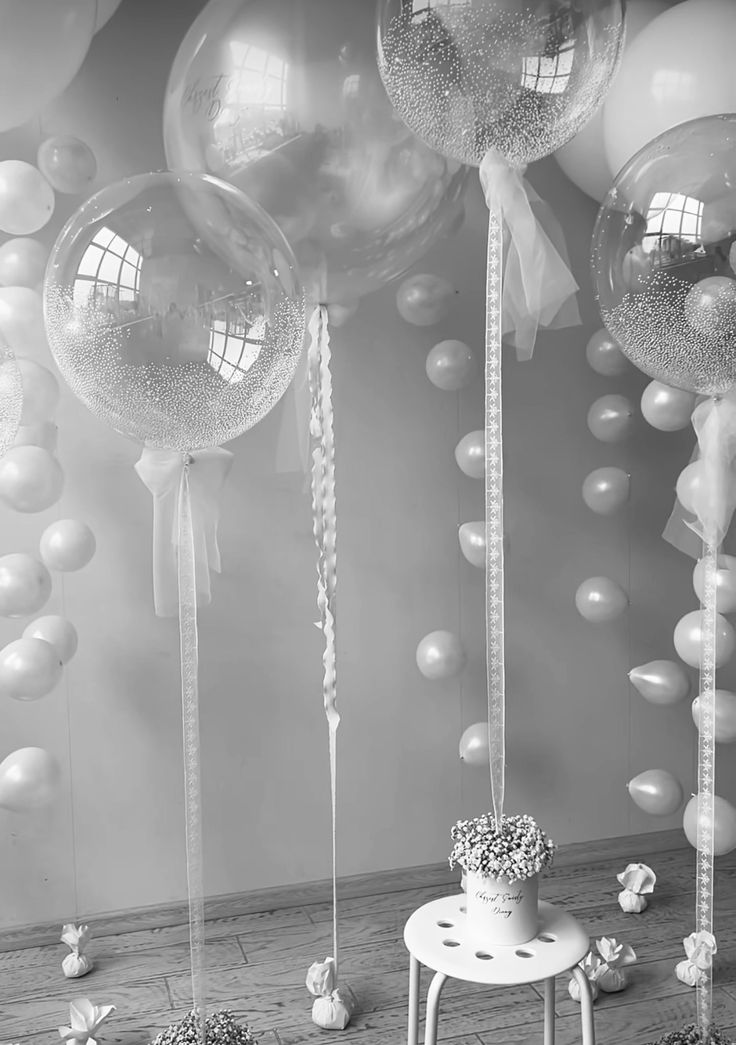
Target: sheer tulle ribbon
{"points": [[535, 288], [714, 421], [186, 489]]}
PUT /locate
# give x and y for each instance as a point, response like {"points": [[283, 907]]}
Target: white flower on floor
{"points": [[699, 949], [333, 1006], [638, 880], [85, 1019], [612, 976], [76, 937]]}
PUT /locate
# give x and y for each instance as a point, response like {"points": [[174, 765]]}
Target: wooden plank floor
{"points": [[257, 959]]}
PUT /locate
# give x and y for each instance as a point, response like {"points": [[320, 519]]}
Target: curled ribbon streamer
{"points": [[535, 289], [160, 470], [538, 287], [189, 647], [325, 535]]}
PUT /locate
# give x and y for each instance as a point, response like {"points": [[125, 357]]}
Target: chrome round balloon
{"points": [[282, 99], [662, 257], [173, 309], [518, 76]]}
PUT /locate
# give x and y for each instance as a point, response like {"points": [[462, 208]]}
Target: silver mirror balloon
{"points": [[283, 100]]}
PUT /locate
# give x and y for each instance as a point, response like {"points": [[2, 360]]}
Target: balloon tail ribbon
{"points": [[190, 721], [324, 519], [711, 522], [495, 664]]}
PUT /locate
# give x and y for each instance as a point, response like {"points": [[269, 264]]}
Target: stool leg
{"points": [[433, 1008], [549, 1011], [586, 1005], [413, 1035]]}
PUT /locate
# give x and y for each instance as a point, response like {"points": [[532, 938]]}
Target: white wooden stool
{"points": [[436, 936]]}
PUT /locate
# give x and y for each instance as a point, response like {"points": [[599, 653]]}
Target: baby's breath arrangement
{"points": [[518, 850], [690, 1035], [220, 1028]]}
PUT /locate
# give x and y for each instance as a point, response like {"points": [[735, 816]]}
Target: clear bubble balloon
{"points": [[450, 365], [610, 418], [22, 262], [662, 682], [605, 356], [40, 392], [472, 538], [725, 583], [31, 479], [600, 599], [289, 108], [606, 490], [498, 74], [173, 310], [11, 397], [29, 669], [724, 825], [724, 730], [42, 47], [58, 632], [474, 748], [440, 655], [688, 639], [657, 792], [470, 454], [67, 163], [25, 585], [67, 545], [29, 779], [665, 408], [677, 321], [26, 198], [424, 299]]}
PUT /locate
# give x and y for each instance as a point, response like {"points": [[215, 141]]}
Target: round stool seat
{"points": [[437, 935]]}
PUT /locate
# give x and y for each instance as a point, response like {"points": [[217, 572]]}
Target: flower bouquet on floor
{"points": [[502, 864], [691, 1035]]}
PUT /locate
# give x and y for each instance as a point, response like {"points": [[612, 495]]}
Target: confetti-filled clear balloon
{"points": [[670, 217], [283, 100], [518, 76], [173, 309], [67, 163], [11, 397]]}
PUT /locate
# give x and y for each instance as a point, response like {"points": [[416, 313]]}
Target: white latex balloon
{"points": [[666, 408], [690, 486], [604, 355], [22, 323], [600, 599], [688, 639], [472, 537], [661, 682], [26, 198], [29, 669], [610, 418], [25, 585], [474, 746], [67, 545], [470, 454], [424, 299], [440, 655], [22, 262], [605, 490], [58, 632], [31, 480], [657, 792], [450, 365], [724, 825], [29, 779], [725, 583], [725, 715]]}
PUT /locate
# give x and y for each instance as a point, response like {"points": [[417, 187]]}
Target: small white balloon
{"points": [[724, 730], [440, 655], [605, 490], [450, 365], [424, 299], [31, 480], [725, 583], [600, 599], [26, 198], [470, 454], [67, 163], [604, 355], [474, 747], [67, 545], [688, 639], [472, 537], [22, 262], [25, 585], [58, 632], [610, 418], [665, 408], [29, 669], [29, 779], [690, 486]]}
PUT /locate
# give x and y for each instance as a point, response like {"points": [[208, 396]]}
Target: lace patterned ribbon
{"points": [[325, 535], [706, 770], [536, 289], [188, 640]]}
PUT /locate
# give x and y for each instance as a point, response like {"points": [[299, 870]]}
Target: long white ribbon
{"points": [[325, 535], [188, 640]]}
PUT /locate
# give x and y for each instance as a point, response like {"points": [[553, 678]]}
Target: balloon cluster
{"points": [[31, 478]]}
